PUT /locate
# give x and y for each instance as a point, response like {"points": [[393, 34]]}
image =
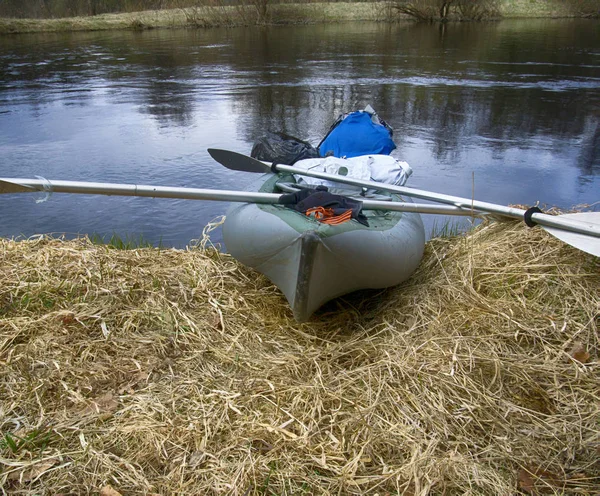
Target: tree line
{"points": [[48, 9], [476, 10], [421, 10]]}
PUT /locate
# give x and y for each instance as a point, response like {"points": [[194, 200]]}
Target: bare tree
{"points": [[262, 10], [444, 10], [420, 10]]}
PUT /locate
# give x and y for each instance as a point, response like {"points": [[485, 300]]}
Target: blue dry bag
{"points": [[357, 135]]}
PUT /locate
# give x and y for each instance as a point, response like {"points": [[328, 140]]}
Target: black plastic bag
{"points": [[282, 148]]}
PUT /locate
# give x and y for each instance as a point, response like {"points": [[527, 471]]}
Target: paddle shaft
{"points": [[14, 185], [464, 203]]}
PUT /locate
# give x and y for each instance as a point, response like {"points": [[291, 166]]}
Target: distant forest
{"points": [[45, 9], [419, 9], [50, 9]]}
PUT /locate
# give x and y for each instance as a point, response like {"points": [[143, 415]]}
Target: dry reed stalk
{"points": [[181, 372]]}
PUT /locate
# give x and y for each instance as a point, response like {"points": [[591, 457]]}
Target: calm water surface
{"points": [[509, 110]]}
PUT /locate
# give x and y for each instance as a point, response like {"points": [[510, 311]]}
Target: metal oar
{"points": [[581, 230], [19, 185]]}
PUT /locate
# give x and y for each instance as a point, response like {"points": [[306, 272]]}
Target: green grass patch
{"points": [[123, 243], [450, 227], [35, 442]]}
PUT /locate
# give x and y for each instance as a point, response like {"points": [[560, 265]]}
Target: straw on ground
{"points": [[182, 372]]}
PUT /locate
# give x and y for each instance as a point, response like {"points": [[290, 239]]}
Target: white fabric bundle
{"points": [[379, 168]]}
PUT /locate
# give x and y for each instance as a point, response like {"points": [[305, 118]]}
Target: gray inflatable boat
{"points": [[312, 262]]}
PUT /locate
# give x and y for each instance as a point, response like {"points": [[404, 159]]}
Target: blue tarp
{"points": [[357, 135]]}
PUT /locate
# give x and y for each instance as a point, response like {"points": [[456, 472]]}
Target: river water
{"points": [[506, 112]]}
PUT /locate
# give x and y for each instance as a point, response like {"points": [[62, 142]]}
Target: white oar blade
{"points": [[8, 187], [583, 242]]}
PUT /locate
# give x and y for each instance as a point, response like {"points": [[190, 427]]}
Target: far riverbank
{"points": [[301, 13]]}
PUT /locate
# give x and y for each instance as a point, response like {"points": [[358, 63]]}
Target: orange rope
{"points": [[326, 216]]}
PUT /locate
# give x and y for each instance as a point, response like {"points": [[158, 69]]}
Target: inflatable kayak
{"points": [[312, 262]]}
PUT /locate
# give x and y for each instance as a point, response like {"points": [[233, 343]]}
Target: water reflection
{"points": [[494, 101], [589, 155]]}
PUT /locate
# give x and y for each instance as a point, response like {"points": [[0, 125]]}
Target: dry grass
{"points": [[181, 372], [550, 8], [204, 16]]}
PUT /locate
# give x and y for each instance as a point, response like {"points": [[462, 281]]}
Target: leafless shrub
{"points": [[262, 10], [478, 10], [202, 13], [421, 10], [193, 16], [445, 10], [585, 8], [198, 14]]}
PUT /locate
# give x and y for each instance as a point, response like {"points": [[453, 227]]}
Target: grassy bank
{"points": [[204, 17], [549, 8], [278, 14], [181, 372]]}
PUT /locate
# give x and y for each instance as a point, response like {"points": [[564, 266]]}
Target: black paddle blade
{"points": [[238, 161]]}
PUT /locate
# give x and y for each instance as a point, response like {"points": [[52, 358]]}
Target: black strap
{"points": [[527, 216]]}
